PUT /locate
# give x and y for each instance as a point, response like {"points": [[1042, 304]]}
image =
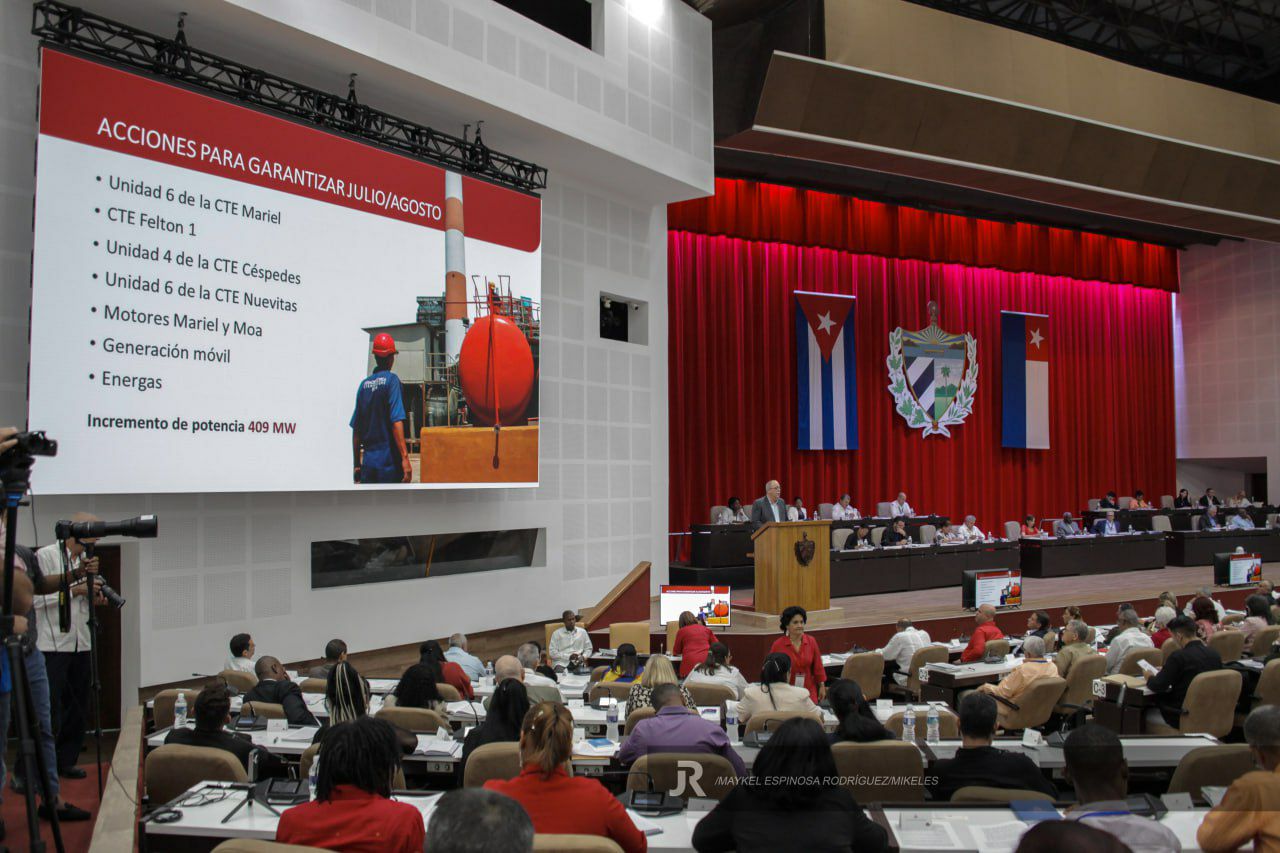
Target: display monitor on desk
{"points": [[710, 604], [997, 587], [1237, 569]]}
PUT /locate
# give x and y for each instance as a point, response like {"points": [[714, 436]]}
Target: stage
{"points": [[867, 620]]}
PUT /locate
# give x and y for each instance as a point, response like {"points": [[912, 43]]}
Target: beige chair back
{"points": [[770, 720], [1210, 705], [867, 669], [1166, 501], [415, 720], [1168, 647], [263, 710], [716, 512], [1084, 671], [1263, 640], [162, 707], [242, 681], [672, 629], [1268, 688], [306, 759], [171, 770], [1210, 765], [1129, 666], [877, 533], [255, 845], [922, 657], [636, 716], [1012, 531], [996, 648], [861, 764], [926, 534], [1229, 644], [825, 510], [717, 780], [1125, 502], [1051, 641], [549, 843], [1161, 524], [491, 761], [619, 690], [883, 508], [706, 695], [840, 536], [636, 633], [1093, 504], [1036, 703], [1093, 636], [448, 692], [313, 685], [948, 724], [983, 794]]}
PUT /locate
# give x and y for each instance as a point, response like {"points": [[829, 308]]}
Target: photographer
{"points": [[66, 653]]}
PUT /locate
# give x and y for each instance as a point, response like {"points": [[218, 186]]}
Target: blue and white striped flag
{"points": [[826, 371]]}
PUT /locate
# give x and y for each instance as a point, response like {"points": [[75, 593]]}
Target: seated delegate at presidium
{"points": [[770, 508], [795, 803], [844, 510], [899, 508], [1106, 526], [557, 802], [948, 535], [674, 728], [985, 631], [570, 644], [806, 658], [1240, 520], [797, 512], [353, 809], [1183, 500], [1140, 501], [692, 643], [1210, 499], [1066, 526], [1240, 500], [977, 762], [970, 531], [734, 514], [896, 534], [1108, 501], [1210, 520], [773, 693], [1011, 688], [1030, 528], [860, 540]]}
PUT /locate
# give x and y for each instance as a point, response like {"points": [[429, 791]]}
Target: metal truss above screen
{"points": [[173, 59], [1230, 44]]}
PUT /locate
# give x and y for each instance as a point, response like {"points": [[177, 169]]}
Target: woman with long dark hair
{"points": [[451, 673], [501, 724], [718, 668], [1257, 616], [796, 803], [626, 666], [418, 689], [773, 693], [1206, 616], [346, 699], [858, 722]]}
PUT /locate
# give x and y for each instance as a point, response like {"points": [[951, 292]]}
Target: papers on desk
{"points": [[596, 747], [469, 710], [998, 836], [919, 832], [444, 747], [643, 824], [306, 734]]}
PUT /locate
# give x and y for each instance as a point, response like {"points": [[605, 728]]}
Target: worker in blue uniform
{"points": [[377, 426]]}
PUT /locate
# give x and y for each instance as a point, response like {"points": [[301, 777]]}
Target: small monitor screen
{"points": [[998, 587], [708, 604]]}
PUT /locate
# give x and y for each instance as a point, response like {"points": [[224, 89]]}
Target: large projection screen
{"points": [[210, 283]]}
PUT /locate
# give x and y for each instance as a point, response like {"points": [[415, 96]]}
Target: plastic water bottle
{"points": [[611, 715], [909, 724], [180, 711], [488, 668], [932, 731], [731, 721], [313, 774]]}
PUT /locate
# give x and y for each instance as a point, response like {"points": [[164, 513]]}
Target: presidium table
{"points": [[910, 567], [1197, 547], [1092, 555]]}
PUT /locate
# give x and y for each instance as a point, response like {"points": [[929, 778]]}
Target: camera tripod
{"points": [[16, 481]]}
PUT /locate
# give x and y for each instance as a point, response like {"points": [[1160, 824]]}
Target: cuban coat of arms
{"points": [[933, 376]]}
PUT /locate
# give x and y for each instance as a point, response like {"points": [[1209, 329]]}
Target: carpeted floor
{"points": [[75, 836]]}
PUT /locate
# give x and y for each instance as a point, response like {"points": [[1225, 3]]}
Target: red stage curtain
{"points": [[733, 397], [801, 217]]}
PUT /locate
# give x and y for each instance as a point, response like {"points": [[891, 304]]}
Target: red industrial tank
{"points": [[496, 370]]}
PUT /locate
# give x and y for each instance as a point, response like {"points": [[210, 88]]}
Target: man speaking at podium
{"points": [[770, 507]]}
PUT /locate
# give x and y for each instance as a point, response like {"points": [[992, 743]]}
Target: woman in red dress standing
{"points": [[692, 643], [806, 658]]}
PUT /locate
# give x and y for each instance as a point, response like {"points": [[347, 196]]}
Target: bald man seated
{"points": [[986, 631], [275, 687], [509, 666]]}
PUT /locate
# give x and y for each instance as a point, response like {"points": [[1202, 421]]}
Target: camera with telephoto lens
{"points": [[113, 598], [31, 444]]}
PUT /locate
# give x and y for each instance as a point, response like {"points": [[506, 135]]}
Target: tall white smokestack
{"points": [[455, 269]]}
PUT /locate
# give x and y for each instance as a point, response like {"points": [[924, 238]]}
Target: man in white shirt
{"points": [[900, 648], [457, 653], [242, 651], [900, 508], [970, 530], [527, 654], [844, 510], [1131, 637], [66, 654], [570, 645], [1240, 521]]}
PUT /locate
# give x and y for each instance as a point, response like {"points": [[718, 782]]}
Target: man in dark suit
{"points": [[1171, 682], [1210, 499], [977, 762], [1108, 501], [769, 508], [212, 713], [1106, 526], [1209, 521], [275, 687]]}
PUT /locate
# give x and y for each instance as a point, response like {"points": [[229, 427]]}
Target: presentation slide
{"points": [[1246, 569], [709, 604], [226, 300], [998, 588]]}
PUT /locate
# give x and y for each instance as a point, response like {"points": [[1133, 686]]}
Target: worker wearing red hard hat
{"points": [[377, 426]]}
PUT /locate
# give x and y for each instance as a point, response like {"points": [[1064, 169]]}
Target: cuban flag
{"points": [[826, 378], [1024, 348]]}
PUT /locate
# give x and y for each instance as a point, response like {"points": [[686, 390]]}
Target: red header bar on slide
{"points": [[95, 104]]}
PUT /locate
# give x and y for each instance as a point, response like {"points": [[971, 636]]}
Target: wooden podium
{"points": [[783, 576]]}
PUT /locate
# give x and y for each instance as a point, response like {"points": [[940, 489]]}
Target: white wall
{"points": [[1227, 359], [623, 131]]}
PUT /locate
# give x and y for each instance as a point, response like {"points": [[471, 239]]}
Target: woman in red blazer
{"points": [[452, 673], [806, 658], [693, 641], [557, 802]]}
